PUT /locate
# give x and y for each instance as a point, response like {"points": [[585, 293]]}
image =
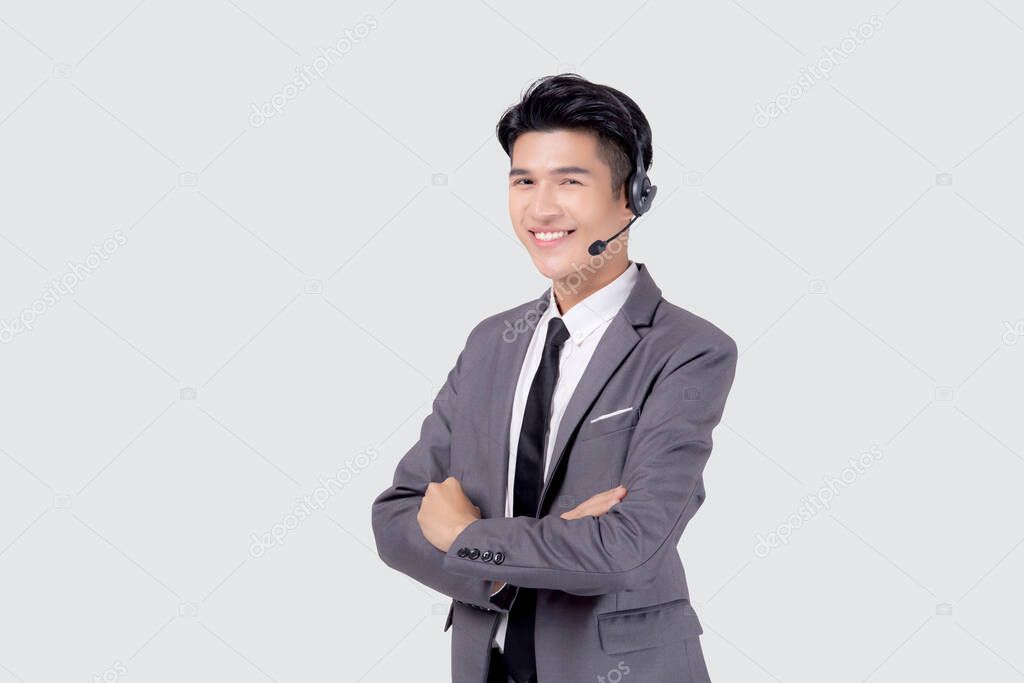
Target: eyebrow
{"points": [[555, 171]]}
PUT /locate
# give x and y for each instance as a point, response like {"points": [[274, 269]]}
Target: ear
{"points": [[625, 213]]}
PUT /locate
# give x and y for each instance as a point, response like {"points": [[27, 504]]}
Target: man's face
{"points": [[558, 183]]}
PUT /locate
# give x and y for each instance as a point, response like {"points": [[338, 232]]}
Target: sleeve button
{"points": [[499, 557], [474, 553]]}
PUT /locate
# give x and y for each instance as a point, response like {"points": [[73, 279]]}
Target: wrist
{"points": [[458, 529], [461, 526]]}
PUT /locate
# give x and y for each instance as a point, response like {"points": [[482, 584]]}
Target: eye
{"points": [[573, 180], [521, 180]]}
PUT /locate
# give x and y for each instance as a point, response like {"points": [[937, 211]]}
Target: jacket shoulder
{"points": [[682, 329], [502, 327], [506, 325]]}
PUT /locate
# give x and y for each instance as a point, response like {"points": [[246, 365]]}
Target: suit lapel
{"points": [[616, 344]]}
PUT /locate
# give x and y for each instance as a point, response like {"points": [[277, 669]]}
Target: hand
{"points": [[597, 504], [444, 512]]}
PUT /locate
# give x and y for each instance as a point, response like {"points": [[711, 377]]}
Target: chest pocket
{"points": [[598, 456], [600, 425]]}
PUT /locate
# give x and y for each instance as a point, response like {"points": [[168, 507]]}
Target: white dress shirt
{"points": [[586, 322]]}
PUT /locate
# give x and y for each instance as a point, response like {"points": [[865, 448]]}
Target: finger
{"points": [[604, 496], [585, 511], [598, 504], [604, 506], [575, 513], [595, 508]]}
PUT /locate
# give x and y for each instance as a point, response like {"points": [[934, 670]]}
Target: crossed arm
{"points": [[589, 555], [400, 541]]}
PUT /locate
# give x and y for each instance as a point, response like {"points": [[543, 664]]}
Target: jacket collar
{"points": [[584, 318], [640, 305]]}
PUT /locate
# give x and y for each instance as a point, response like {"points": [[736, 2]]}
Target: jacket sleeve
{"points": [[400, 542], [624, 548]]}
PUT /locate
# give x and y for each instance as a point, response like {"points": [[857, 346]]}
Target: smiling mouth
{"points": [[546, 236]]}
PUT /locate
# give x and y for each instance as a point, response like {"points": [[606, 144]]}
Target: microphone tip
{"points": [[596, 248]]}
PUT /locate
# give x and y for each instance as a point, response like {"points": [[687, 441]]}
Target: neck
{"points": [[574, 288]]}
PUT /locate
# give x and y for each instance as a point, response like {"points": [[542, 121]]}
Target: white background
{"points": [[290, 296]]}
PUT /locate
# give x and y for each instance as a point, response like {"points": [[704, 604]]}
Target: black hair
{"points": [[570, 102]]}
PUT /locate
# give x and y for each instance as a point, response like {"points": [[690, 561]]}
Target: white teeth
{"points": [[548, 236]]}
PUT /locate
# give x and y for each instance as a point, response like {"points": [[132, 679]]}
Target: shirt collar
{"points": [[597, 308]]}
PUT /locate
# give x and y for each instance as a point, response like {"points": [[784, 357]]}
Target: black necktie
{"points": [[519, 645]]}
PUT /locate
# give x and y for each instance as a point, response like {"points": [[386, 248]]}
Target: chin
{"points": [[555, 267]]}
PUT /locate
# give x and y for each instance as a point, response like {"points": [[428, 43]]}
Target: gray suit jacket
{"points": [[613, 600]]}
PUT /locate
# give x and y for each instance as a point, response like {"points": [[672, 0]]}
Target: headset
{"points": [[639, 191]]}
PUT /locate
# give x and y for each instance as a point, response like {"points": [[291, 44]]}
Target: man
{"points": [[552, 481]]}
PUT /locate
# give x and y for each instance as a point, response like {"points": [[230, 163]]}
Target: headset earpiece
{"points": [[641, 192]]}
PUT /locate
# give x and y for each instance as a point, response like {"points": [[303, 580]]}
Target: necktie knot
{"points": [[557, 332]]}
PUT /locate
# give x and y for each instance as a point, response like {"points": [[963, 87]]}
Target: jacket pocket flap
{"points": [[644, 627]]}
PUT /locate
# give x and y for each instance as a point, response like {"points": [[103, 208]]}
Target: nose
{"points": [[545, 204]]}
